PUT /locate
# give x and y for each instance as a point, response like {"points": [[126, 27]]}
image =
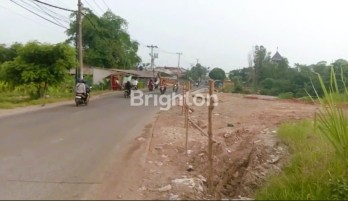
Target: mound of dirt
{"points": [[246, 149]]}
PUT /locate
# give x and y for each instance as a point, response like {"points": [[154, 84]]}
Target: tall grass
{"points": [[319, 157], [313, 170], [332, 119]]}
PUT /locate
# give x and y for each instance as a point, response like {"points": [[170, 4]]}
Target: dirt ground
{"points": [[246, 151]]}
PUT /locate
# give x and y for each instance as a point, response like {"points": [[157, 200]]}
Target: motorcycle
{"points": [[150, 87], [81, 99], [175, 88], [126, 93], [163, 89]]}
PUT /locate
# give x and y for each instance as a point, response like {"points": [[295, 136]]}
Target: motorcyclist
{"points": [[151, 84], [81, 88], [164, 85], [175, 86], [128, 87], [156, 83], [135, 84], [88, 89]]}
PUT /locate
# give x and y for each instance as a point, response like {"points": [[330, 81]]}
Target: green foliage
{"points": [[196, 72], [106, 40], [332, 119], [338, 189], [318, 169], [103, 85], [237, 89], [312, 172], [228, 88], [217, 74], [141, 85], [39, 65], [8, 53], [4, 87], [287, 95], [276, 77]]}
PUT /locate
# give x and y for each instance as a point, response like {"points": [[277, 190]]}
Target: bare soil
{"points": [[246, 151]]}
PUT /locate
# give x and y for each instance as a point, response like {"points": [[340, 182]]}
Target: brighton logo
{"points": [[166, 101]]}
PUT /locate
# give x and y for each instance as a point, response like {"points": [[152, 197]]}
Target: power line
{"points": [[38, 14], [91, 7], [60, 2], [47, 4], [53, 17], [64, 18], [26, 17], [38, 8], [106, 5], [98, 6], [167, 52], [47, 11]]}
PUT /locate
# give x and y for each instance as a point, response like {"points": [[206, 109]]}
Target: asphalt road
{"points": [[57, 153]]}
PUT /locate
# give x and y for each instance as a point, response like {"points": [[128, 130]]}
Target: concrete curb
{"points": [[32, 108]]}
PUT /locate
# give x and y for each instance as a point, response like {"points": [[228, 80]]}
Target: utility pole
{"points": [[79, 22], [152, 59], [179, 54], [77, 53], [197, 61]]}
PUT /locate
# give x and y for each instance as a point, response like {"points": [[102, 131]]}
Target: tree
{"points": [[8, 53], [217, 74], [39, 65], [196, 72], [105, 39], [260, 55]]}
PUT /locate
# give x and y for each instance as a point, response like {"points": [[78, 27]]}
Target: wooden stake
{"points": [[187, 116], [210, 136], [183, 99]]}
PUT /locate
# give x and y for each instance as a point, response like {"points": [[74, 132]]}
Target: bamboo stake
{"points": [[198, 128], [187, 116], [210, 136], [183, 98]]}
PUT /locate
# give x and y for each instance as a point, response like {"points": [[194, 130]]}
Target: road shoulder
{"points": [[32, 108]]}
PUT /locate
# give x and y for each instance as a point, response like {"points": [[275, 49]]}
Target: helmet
{"points": [[79, 80]]}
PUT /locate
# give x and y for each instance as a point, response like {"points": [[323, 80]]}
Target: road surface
{"points": [[58, 153]]}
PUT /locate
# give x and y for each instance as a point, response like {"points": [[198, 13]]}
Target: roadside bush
{"points": [[141, 85], [237, 89], [338, 189], [287, 95], [4, 87], [332, 119], [314, 171], [228, 88], [103, 85]]}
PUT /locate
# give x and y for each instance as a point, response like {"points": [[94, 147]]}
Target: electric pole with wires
{"points": [[79, 22], [153, 57], [179, 69]]}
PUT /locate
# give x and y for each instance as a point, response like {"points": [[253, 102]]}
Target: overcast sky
{"points": [[220, 33]]}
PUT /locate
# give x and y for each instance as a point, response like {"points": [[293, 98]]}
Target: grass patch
{"points": [[287, 95], [10, 100], [228, 88], [315, 172]]}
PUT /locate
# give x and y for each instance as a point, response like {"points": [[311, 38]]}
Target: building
{"points": [[171, 70], [277, 57], [117, 76]]}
